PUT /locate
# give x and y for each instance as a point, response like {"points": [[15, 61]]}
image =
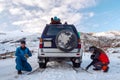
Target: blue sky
{"points": [[86, 15], [106, 16]]}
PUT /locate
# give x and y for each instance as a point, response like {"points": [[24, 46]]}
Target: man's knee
{"points": [[29, 69], [98, 65]]}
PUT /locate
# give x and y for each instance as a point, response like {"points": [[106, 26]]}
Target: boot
{"points": [[96, 69], [106, 70], [19, 72]]}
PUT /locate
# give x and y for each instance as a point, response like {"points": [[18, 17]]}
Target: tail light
{"points": [[78, 54], [41, 43], [79, 43]]}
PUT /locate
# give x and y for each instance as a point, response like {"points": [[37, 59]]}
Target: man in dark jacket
{"points": [[99, 59], [22, 53], [55, 20]]}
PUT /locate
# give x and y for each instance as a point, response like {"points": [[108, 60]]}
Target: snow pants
{"points": [[22, 65]]}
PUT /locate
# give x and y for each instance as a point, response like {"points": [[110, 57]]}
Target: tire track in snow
{"points": [[58, 71]]}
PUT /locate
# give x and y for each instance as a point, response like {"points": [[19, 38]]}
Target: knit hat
{"points": [[92, 48], [55, 18], [23, 42]]}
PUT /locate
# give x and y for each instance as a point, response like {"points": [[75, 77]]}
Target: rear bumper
{"points": [[60, 54]]}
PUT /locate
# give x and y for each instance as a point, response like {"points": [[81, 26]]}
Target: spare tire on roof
{"points": [[66, 40]]}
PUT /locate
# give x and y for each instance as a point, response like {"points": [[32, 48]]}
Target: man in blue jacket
{"points": [[22, 53]]}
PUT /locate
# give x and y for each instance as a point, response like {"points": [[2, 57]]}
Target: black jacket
{"points": [[94, 58]]}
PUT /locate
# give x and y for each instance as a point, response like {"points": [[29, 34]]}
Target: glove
{"points": [[26, 56], [92, 57]]}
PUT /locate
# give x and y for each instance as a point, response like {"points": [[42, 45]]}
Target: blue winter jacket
{"points": [[21, 53]]}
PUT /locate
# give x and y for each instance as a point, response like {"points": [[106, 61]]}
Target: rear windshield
{"points": [[53, 30]]}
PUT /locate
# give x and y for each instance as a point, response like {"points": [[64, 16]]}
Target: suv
{"points": [[60, 42]]}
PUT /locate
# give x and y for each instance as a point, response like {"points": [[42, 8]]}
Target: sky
{"points": [[33, 15]]}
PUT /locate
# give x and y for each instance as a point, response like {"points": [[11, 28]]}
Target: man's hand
{"points": [[26, 56]]}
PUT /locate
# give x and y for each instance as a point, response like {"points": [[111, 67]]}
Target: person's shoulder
{"points": [[103, 53], [27, 48], [18, 49]]}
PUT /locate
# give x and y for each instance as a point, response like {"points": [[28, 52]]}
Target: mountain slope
{"points": [[103, 39]]}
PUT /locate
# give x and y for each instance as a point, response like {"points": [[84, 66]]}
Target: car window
{"points": [[53, 30]]}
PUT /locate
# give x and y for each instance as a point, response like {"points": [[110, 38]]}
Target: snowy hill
{"points": [[111, 34], [10, 40], [103, 39]]}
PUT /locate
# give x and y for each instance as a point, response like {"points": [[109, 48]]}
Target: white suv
{"points": [[60, 42]]}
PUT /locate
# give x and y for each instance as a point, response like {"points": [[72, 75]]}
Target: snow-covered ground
{"points": [[61, 71]]}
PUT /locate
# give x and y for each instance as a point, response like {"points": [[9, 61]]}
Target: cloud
{"points": [[33, 15], [15, 11], [26, 2], [91, 14], [1, 7]]}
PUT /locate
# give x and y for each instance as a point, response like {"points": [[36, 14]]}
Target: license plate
{"points": [[47, 44]]}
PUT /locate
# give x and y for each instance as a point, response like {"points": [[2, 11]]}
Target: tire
{"points": [[42, 65], [76, 65], [66, 40]]}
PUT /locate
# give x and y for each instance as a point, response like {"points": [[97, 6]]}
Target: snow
{"points": [[104, 34], [8, 40], [61, 71], [13, 35], [110, 34], [54, 70]]}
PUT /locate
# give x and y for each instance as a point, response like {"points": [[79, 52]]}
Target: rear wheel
{"points": [[76, 62], [42, 65], [76, 65], [43, 62]]}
